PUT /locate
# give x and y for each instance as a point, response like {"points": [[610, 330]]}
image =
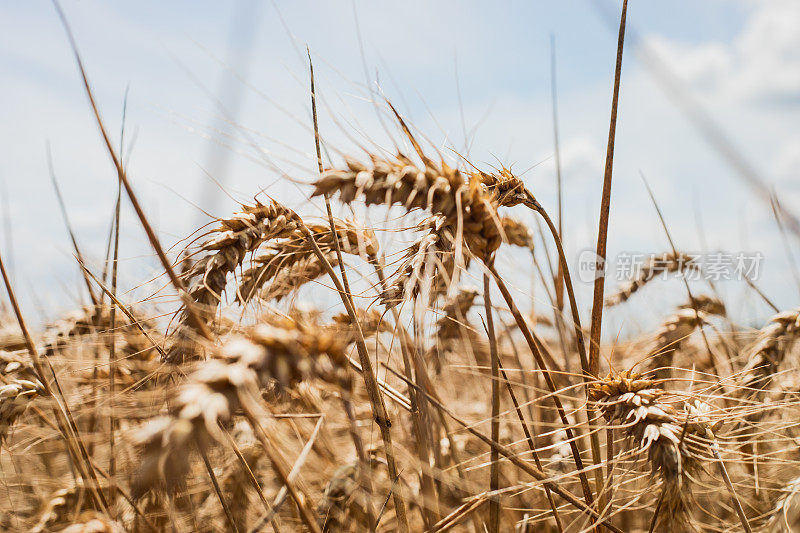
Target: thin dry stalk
{"points": [[522, 465], [112, 353], [458, 514], [605, 206], [546, 373], [277, 465], [371, 383], [421, 416], [63, 415], [532, 445], [65, 216], [494, 474], [284, 491], [334, 235], [378, 409], [559, 281], [217, 490]]}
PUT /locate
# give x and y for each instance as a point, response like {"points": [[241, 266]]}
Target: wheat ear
{"points": [[15, 397], [236, 236], [225, 251], [223, 385], [674, 440], [516, 233], [291, 263], [769, 351], [464, 207], [669, 337]]}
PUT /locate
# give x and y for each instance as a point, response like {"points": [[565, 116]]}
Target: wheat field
{"points": [[416, 402]]}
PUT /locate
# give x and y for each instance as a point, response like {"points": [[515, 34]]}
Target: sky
{"points": [[218, 111]]}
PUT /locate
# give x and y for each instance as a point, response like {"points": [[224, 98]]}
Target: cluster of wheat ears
{"points": [[421, 406]]}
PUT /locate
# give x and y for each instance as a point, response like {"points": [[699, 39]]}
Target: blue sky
{"points": [[437, 61]]}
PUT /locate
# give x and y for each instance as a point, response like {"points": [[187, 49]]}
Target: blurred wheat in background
{"points": [[366, 361]]}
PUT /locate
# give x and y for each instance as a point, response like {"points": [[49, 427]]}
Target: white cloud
{"points": [[582, 158], [762, 64], [767, 54], [786, 165]]}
